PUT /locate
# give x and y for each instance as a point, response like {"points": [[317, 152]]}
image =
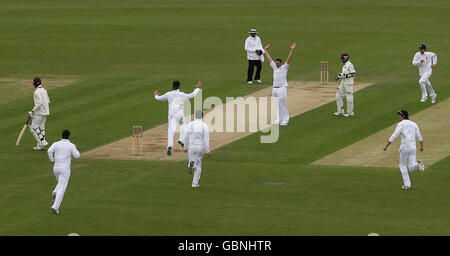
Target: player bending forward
{"points": [[346, 87], [280, 84], [426, 62], [196, 143], [60, 154], [39, 114], [176, 100], [408, 131]]}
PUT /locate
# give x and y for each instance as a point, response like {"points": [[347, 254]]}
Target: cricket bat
{"points": [[22, 132]]}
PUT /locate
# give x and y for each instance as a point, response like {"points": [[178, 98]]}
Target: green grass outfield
{"points": [[121, 51]]}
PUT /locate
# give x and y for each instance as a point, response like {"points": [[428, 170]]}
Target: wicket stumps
{"points": [[136, 143], [324, 72]]}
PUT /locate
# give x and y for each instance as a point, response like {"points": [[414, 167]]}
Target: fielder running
{"points": [[39, 114], [280, 84], [197, 142], [176, 100], [345, 88], [408, 131], [60, 154], [426, 62]]}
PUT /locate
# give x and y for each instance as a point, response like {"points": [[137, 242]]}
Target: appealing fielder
{"points": [[280, 83], [345, 88], [197, 142], [426, 62], [408, 131], [176, 100], [255, 56], [60, 154], [39, 114]]}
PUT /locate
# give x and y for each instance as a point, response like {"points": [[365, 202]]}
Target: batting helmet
{"points": [[344, 57], [37, 81], [422, 47]]}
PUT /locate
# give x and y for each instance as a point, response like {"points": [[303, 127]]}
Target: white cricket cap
{"points": [[253, 31]]}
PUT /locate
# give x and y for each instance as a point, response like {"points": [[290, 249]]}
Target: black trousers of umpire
{"points": [[251, 67]]}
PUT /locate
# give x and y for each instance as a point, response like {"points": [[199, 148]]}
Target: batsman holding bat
{"points": [[38, 114], [345, 88]]}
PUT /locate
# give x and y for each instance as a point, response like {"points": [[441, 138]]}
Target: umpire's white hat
{"points": [[253, 31]]}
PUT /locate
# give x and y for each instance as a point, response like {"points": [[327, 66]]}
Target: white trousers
{"points": [[425, 84], [37, 128], [196, 156], [283, 113], [175, 120], [407, 161], [345, 90], [62, 175]]}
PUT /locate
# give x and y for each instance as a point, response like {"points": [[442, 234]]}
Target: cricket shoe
{"points": [[433, 99], [38, 148], [421, 165], [249, 82], [181, 143], [53, 196], [258, 81], [349, 114], [405, 187], [339, 114], [423, 100], [283, 124], [191, 167], [169, 151], [195, 185], [54, 210]]}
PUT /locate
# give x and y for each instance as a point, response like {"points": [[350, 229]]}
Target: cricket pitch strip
{"points": [[302, 97], [368, 152]]}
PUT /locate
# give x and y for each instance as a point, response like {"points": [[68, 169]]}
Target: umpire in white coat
{"points": [[255, 56], [196, 144], [60, 154]]}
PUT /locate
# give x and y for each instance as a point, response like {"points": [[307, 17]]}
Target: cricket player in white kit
{"points": [[39, 114], [280, 83], [176, 117], [426, 62], [408, 131], [196, 144], [60, 154], [346, 87]]}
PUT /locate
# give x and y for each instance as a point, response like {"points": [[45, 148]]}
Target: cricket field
{"points": [[101, 61]]}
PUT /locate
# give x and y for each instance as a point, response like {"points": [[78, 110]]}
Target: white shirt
{"points": [[61, 152], [197, 135], [280, 74], [251, 45], [408, 131], [176, 99], [41, 102], [428, 59], [348, 68]]}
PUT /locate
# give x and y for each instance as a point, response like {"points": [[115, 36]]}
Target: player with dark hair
{"points": [[280, 84], [176, 117], [426, 61], [60, 155], [408, 131]]}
